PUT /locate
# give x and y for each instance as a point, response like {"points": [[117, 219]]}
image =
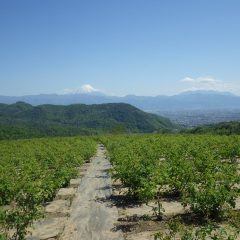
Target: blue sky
{"points": [[142, 47]]}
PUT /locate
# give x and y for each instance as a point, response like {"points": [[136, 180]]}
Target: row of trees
{"points": [[201, 170], [31, 171]]}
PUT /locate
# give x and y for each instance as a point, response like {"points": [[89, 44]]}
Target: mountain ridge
{"points": [[59, 120], [184, 101]]}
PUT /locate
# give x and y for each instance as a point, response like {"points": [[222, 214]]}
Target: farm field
{"points": [[119, 120], [164, 186], [185, 185], [31, 171]]}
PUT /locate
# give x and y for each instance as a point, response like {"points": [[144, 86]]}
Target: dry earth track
{"points": [[92, 216]]}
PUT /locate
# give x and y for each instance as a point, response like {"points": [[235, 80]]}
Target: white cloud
{"points": [[202, 80], [206, 83], [86, 88]]}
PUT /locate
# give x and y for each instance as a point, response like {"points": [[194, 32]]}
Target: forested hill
{"points": [[22, 120], [223, 128]]}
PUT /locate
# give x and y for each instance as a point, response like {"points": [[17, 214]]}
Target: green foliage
{"points": [[22, 120], [202, 170], [31, 171], [177, 230], [223, 128]]}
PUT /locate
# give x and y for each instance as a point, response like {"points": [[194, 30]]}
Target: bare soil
{"points": [[93, 216]]}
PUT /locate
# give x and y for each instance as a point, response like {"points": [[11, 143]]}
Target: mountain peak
{"points": [[200, 99]]}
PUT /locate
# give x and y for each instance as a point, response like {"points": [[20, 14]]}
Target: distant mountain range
{"points": [[22, 120], [193, 100]]}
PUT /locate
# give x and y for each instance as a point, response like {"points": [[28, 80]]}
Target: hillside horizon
{"points": [[21, 120], [100, 93], [189, 100]]}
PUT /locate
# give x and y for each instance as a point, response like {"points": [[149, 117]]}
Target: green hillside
{"points": [[223, 128], [21, 120]]}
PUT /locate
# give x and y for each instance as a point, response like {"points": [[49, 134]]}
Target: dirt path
{"points": [[92, 216]]}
